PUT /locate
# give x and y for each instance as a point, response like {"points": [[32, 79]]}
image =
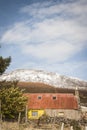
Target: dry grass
{"points": [[9, 126], [15, 126]]}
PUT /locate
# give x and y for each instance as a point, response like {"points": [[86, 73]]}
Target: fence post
{"points": [[19, 117], [85, 127], [62, 126], [71, 128], [0, 116], [26, 112]]}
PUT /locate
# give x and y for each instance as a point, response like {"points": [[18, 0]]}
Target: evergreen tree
{"points": [[12, 100], [4, 63]]}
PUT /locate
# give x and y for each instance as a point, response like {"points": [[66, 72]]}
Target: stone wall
{"points": [[66, 113]]}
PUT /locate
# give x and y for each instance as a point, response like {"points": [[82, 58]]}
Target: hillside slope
{"points": [[49, 78]]}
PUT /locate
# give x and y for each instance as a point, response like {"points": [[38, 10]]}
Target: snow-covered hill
{"points": [[50, 78]]}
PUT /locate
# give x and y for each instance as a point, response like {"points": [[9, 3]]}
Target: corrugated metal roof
{"points": [[52, 101]]}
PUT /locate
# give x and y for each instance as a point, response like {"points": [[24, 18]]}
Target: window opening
{"points": [[54, 97], [39, 97], [34, 113]]}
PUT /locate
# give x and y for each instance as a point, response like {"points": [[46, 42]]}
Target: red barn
{"points": [[53, 104]]}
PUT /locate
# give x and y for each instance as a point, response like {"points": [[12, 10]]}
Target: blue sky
{"points": [[48, 35]]}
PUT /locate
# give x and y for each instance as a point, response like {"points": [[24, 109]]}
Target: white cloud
{"points": [[45, 31], [43, 9], [52, 51], [53, 39], [16, 34]]}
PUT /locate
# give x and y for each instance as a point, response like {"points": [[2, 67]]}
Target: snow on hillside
{"points": [[50, 78]]}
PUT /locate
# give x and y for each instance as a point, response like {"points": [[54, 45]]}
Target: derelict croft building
{"points": [[52, 104]]}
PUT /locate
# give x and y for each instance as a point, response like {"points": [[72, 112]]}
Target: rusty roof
{"points": [[52, 101]]}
